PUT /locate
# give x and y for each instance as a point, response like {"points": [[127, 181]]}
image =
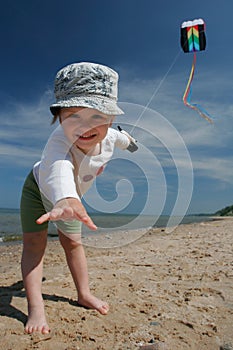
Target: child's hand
{"points": [[68, 209]]}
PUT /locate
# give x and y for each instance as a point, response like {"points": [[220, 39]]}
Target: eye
{"points": [[74, 116], [97, 117]]}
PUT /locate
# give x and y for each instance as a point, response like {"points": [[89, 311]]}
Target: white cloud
{"points": [[215, 168], [24, 130]]}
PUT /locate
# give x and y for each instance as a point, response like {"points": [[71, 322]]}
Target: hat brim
{"points": [[105, 106]]}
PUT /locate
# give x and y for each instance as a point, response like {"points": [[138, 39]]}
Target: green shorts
{"points": [[33, 205]]}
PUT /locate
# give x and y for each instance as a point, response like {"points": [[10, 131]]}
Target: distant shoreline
{"points": [[188, 219], [17, 210]]}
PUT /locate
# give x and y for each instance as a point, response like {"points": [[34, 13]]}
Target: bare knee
{"points": [[70, 242], [35, 242]]}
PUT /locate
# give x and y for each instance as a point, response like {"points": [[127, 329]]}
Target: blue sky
{"points": [[139, 39]]}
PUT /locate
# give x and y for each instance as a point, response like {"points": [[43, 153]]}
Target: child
{"points": [[76, 152]]}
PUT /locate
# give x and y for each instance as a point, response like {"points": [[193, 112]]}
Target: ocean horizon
{"points": [[10, 229]]}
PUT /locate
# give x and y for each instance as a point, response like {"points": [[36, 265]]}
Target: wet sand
{"points": [[166, 291]]}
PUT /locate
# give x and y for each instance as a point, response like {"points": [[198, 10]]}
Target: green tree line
{"points": [[227, 211]]}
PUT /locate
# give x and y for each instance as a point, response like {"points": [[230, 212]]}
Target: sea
{"points": [[10, 227]]}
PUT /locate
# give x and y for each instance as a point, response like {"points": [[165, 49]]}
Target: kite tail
{"points": [[187, 94]]}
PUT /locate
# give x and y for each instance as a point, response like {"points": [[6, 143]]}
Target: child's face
{"points": [[84, 127]]}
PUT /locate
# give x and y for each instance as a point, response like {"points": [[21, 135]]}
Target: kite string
{"points": [[157, 89]]}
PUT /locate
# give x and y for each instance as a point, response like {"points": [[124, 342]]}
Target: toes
{"points": [[95, 304], [28, 329], [45, 330], [103, 309], [40, 329]]}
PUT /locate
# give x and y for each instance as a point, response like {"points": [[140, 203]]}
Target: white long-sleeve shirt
{"points": [[65, 171]]}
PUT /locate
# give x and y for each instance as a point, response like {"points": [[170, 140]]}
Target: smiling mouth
{"points": [[86, 137]]}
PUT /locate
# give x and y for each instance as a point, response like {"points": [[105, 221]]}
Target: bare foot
{"points": [[36, 321], [91, 302]]}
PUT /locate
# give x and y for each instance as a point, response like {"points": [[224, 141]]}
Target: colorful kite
{"points": [[193, 40]]}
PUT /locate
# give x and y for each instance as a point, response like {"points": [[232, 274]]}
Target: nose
{"points": [[82, 127]]}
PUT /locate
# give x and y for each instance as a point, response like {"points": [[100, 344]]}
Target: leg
{"points": [[32, 268], [77, 263]]}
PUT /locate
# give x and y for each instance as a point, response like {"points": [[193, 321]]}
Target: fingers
{"points": [[53, 215], [88, 222], [43, 218], [67, 214]]}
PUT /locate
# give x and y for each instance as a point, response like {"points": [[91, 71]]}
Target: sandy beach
{"points": [[166, 291]]}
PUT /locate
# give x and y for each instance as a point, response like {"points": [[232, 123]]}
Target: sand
{"points": [[166, 291]]}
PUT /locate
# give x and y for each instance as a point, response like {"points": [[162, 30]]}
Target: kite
{"points": [[193, 39]]}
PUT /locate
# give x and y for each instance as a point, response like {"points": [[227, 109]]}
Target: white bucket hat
{"points": [[89, 85]]}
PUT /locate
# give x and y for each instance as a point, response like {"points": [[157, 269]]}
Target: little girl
{"points": [[76, 152]]}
